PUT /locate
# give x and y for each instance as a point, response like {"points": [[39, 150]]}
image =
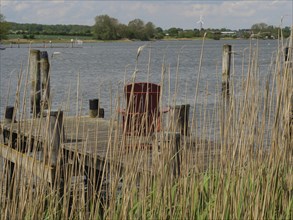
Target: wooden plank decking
{"points": [[96, 141]]}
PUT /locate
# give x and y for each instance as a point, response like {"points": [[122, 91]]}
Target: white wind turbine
{"points": [[200, 22]]}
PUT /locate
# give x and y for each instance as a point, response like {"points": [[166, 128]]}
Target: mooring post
{"points": [[181, 116], [45, 67], [226, 62], [34, 69], [286, 52], [8, 118], [94, 108], [8, 114], [55, 134], [101, 113]]}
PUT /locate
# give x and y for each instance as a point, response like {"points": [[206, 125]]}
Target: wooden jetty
{"points": [[44, 143], [95, 149], [96, 140]]}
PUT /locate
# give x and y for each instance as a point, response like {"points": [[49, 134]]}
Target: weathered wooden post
{"points": [[55, 135], [8, 165], [101, 113], [8, 114], [286, 52], [93, 182], [172, 139], [94, 108], [177, 165], [45, 68], [8, 118], [34, 69], [226, 62], [181, 116]]}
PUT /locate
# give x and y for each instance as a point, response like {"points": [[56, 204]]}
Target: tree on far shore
{"points": [[4, 27], [106, 28]]}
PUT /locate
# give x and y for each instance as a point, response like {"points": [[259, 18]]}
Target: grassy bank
{"points": [[15, 39], [18, 39]]}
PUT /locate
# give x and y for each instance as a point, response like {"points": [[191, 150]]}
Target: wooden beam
{"points": [[28, 163]]}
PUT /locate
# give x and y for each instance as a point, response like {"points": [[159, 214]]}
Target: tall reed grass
{"points": [[243, 171]]}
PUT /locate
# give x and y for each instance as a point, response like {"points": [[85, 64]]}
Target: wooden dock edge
{"points": [[28, 163]]}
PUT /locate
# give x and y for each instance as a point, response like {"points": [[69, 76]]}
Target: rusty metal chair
{"points": [[142, 115]]}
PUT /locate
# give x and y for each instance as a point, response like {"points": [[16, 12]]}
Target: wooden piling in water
{"points": [[35, 76], [286, 52], [45, 68], [226, 62]]}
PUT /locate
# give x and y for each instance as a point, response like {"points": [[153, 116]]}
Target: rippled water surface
{"points": [[99, 70]]}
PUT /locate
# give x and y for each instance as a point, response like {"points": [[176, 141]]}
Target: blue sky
{"points": [[165, 14]]}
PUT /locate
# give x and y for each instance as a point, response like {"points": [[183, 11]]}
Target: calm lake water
{"points": [[98, 70]]}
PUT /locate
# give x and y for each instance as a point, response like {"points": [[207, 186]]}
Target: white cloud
{"points": [[166, 14]]}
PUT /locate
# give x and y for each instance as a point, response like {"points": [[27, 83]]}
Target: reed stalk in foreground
{"points": [[242, 172]]}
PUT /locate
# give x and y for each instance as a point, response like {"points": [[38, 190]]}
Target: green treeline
{"points": [[58, 29], [4, 27], [105, 28], [109, 28]]}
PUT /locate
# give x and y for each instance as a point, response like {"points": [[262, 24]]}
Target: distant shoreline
{"points": [[16, 41]]}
